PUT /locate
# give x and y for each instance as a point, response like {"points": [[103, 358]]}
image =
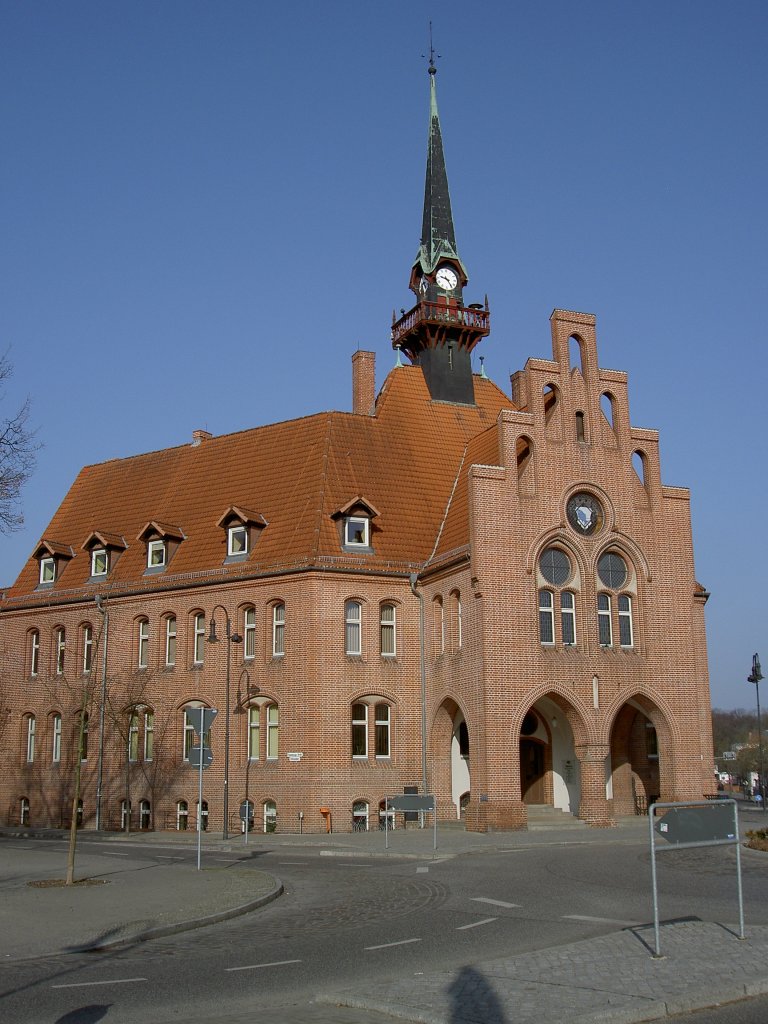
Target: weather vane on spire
{"points": [[432, 54]]}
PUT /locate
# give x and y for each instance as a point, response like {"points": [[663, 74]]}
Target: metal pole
{"points": [[755, 678], [200, 793], [422, 655], [102, 711], [226, 734], [651, 816]]}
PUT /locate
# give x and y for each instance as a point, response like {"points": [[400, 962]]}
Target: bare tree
{"points": [[18, 454]]}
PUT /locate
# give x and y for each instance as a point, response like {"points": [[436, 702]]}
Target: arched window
{"points": [[360, 730], [456, 623], [556, 569], [133, 736], [190, 736], [580, 433], [60, 639], [84, 737], [614, 575], [34, 652], [640, 466], [270, 816], [388, 631], [360, 816], [249, 633], [254, 732], [439, 625], [551, 398], [278, 630], [608, 408], [273, 733], [142, 659], [24, 811], [31, 726], [198, 638], [87, 644], [382, 723], [125, 815], [353, 615], [182, 815], [202, 816], [170, 641], [56, 738], [576, 353], [145, 815]]}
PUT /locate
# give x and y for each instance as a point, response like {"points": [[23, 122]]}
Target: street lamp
{"points": [[755, 678], [232, 638]]}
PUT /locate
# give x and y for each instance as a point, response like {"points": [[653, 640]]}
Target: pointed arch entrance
{"points": [[641, 751], [547, 743], [450, 746]]}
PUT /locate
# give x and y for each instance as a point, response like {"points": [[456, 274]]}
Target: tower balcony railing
{"points": [[473, 318]]}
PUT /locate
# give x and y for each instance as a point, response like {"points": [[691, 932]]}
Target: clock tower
{"points": [[439, 333]]}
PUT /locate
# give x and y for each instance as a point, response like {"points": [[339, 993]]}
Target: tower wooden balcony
{"points": [[431, 324]]}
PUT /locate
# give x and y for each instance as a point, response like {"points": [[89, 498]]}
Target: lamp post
{"points": [[102, 709], [232, 638], [755, 678]]}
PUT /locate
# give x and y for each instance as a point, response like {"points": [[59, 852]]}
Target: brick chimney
{"points": [[198, 436], [363, 383]]}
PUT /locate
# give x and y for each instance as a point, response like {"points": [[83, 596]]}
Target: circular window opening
{"points": [[555, 566], [612, 570], [530, 724]]}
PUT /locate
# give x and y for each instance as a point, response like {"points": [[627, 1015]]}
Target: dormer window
{"points": [[355, 524], [48, 570], [52, 559], [99, 562], [357, 531], [104, 549], [162, 541], [156, 554], [237, 540], [243, 527]]}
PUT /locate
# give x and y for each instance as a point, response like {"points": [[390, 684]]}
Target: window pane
{"points": [[249, 647], [555, 566], [388, 629], [272, 731], [359, 730], [605, 629], [254, 725], [382, 730], [546, 618], [612, 570], [278, 630], [625, 621], [568, 618], [149, 735], [352, 627], [170, 641]]}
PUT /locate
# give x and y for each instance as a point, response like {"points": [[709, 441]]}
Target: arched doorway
{"points": [[450, 750], [636, 772], [534, 755]]}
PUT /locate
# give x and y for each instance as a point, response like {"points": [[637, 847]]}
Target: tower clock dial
{"points": [[446, 279]]}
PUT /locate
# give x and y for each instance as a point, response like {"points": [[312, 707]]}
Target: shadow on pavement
{"points": [[474, 999]]}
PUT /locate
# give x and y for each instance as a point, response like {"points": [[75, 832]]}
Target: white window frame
{"points": [[357, 532], [133, 736], [459, 623], [249, 633], [278, 630], [353, 628], [142, 659], [359, 727], [604, 617], [145, 815], [149, 735], [273, 732], [157, 548], [254, 732], [625, 622], [383, 727], [56, 738], [31, 729], [360, 811], [48, 569], [99, 554], [568, 613], [87, 648], [61, 640], [182, 815], [171, 633], [233, 532], [388, 631], [34, 652], [198, 639], [546, 615]]}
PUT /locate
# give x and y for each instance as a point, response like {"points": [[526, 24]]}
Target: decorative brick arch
{"points": [[639, 777], [440, 738], [579, 717]]}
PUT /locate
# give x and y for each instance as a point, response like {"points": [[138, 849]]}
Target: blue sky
{"points": [[205, 208]]}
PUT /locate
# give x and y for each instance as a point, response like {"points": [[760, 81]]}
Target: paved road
{"points": [[361, 925]]}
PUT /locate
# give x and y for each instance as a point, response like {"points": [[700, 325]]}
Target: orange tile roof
{"points": [[297, 473]]}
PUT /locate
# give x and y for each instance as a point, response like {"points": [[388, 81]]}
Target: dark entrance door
{"points": [[532, 771]]}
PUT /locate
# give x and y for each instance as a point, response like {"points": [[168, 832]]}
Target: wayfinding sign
{"points": [[697, 823], [201, 719], [424, 803], [703, 824]]}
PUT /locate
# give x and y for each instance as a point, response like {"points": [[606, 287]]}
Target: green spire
{"points": [[438, 240]]}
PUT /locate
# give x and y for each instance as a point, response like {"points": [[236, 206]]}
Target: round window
{"points": [[555, 566], [612, 570]]}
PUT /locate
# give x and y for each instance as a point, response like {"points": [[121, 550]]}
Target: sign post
{"points": [[697, 823], [201, 720], [410, 802]]}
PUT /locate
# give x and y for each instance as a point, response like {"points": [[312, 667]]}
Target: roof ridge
{"points": [[448, 505]]}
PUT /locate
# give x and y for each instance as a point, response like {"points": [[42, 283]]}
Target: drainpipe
{"points": [[412, 579], [100, 774]]}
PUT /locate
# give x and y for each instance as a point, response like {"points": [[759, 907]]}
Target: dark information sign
{"points": [[687, 826]]}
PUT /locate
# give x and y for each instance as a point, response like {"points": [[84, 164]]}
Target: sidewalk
{"points": [[613, 978]]}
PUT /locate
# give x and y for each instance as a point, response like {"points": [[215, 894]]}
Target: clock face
{"points": [[585, 513], [446, 279]]}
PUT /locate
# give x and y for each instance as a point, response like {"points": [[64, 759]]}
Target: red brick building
{"points": [[448, 590]]}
